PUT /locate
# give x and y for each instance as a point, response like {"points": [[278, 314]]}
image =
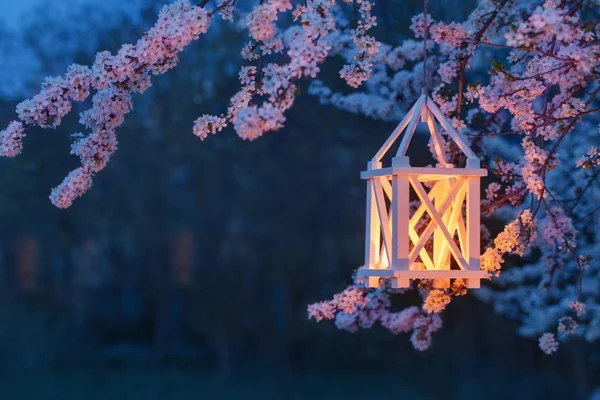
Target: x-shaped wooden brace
{"points": [[380, 184], [436, 221], [412, 233], [387, 188], [456, 224]]}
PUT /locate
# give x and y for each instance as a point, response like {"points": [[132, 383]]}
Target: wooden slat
{"points": [[431, 178], [422, 208], [437, 218], [390, 140], [387, 187], [383, 218], [441, 262], [423, 273], [435, 136], [462, 237], [440, 256], [425, 172], [400, 222], [383, 259], [450, 129], [414, 237], [431, 226], [473, 221], [453, 221], [411, 127], [372, 230], [385, 263]]}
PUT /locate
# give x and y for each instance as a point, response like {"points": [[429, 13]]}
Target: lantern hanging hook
{"points": [[425, 31]]}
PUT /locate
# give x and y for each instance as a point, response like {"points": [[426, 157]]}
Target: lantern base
{"points": [[401, 278]]}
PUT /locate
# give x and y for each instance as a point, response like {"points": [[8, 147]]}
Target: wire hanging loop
{"points": [[425, 31]]}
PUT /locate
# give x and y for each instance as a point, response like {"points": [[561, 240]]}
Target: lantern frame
{"points": [[390, 227]]}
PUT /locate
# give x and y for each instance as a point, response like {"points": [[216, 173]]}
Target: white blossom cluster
{"points": [[114, 78], [354, 309]]}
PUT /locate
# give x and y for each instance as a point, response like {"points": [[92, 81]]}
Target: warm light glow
{"points": [[442, 231]]}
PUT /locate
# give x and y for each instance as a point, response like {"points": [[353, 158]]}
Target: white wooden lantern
{"points": [[393, 248]]}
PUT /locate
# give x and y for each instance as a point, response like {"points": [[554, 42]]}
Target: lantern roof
{"points": [[427, 111]]}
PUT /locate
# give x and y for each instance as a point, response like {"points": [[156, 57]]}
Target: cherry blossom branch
{"points": [[567, 243], [465, 61], [113, 78], [568, 128]]}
